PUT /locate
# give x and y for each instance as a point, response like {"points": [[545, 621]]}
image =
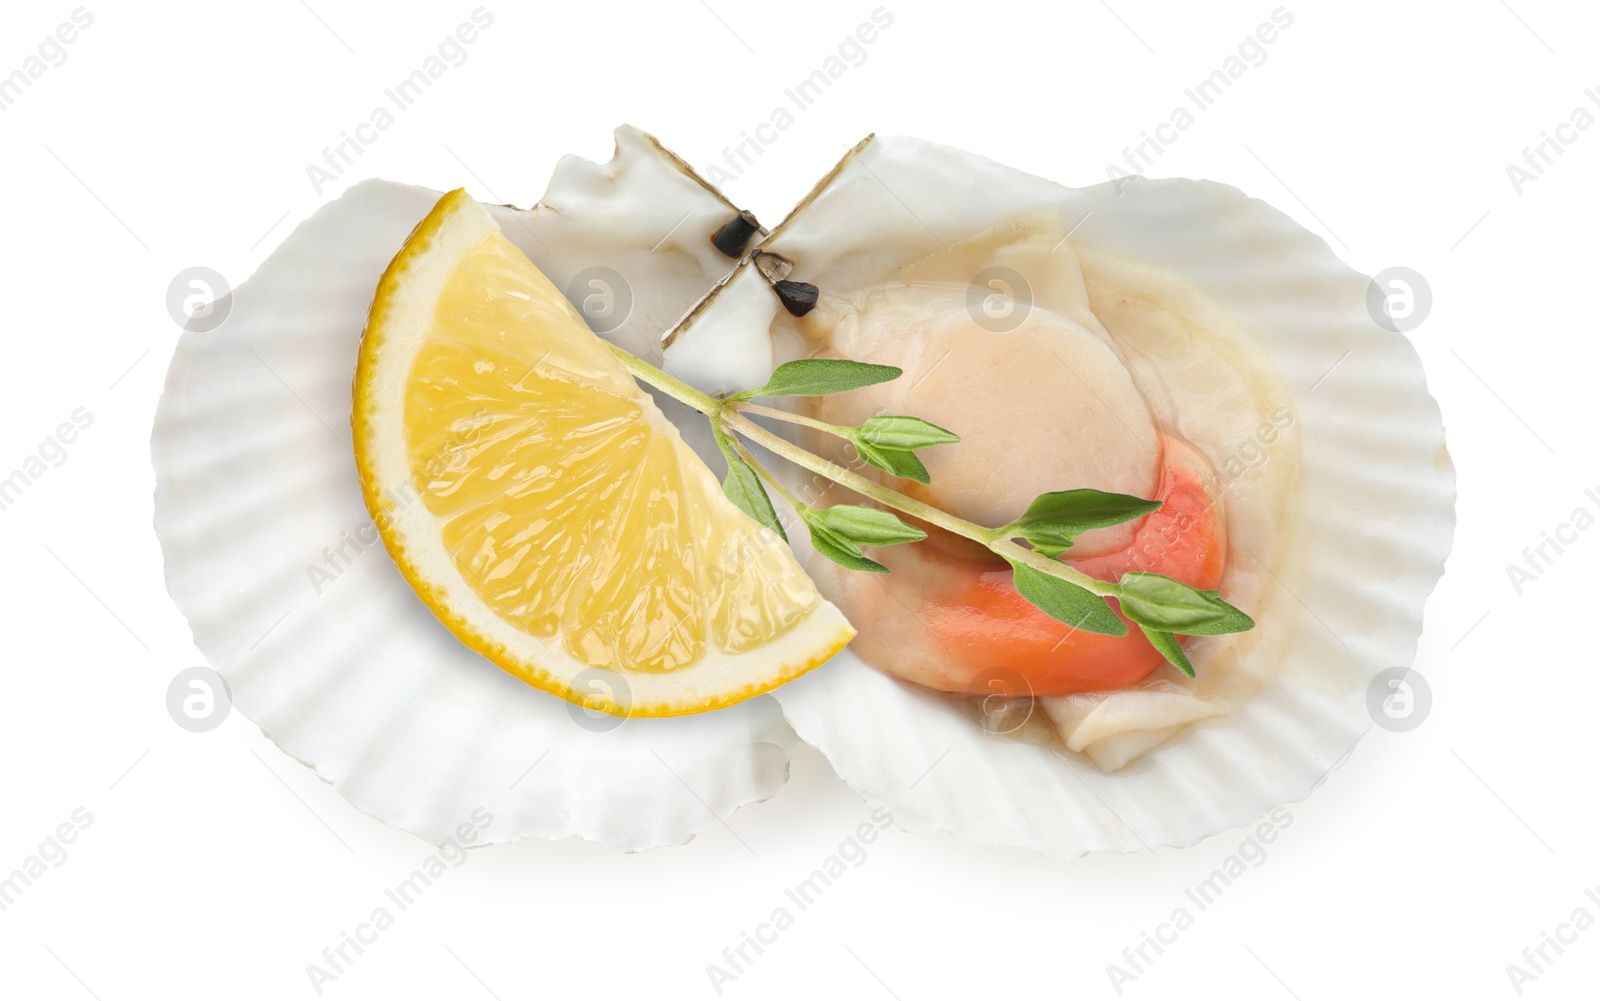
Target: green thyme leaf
{"points": [[1162, 607], [903, 433], [1167, 645], [820, 377], [1162, 603], [865, 526], [1053, 519], [744, 488], [841, 550], [839, 532], [1066, 602], [893, 460]]}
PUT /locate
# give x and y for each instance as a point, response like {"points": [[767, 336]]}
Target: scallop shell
{"points": [[1378, 513], [346, 670]]}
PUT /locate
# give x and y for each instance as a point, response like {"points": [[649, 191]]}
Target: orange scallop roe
{"points": [[983, 623]]}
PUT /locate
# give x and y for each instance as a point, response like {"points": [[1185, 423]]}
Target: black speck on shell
{"points": [[735, 234], [797, 297]]}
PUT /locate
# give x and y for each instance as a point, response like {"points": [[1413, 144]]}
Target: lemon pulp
{"points": [[549, 486]]}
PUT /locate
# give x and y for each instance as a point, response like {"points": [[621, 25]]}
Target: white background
{"points": [[215, 866]]}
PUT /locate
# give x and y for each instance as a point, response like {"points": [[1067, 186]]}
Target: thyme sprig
{"points": [[1161, 607]]}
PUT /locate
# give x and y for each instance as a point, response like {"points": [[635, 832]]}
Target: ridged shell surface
{"points": [[1377, 487], [272, 557]]}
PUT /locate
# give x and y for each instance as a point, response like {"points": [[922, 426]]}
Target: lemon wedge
{"points": [[543, 507]]}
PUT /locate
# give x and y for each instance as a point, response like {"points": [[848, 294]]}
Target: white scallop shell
{"points": [[353, 675], [1379, 507]]}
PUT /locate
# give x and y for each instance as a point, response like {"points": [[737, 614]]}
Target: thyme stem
{"points": [[731, 418], [790, 418], [671, 385], [766, 477]]}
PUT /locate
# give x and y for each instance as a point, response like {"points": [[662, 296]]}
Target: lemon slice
{"points": [[543, 507]]}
